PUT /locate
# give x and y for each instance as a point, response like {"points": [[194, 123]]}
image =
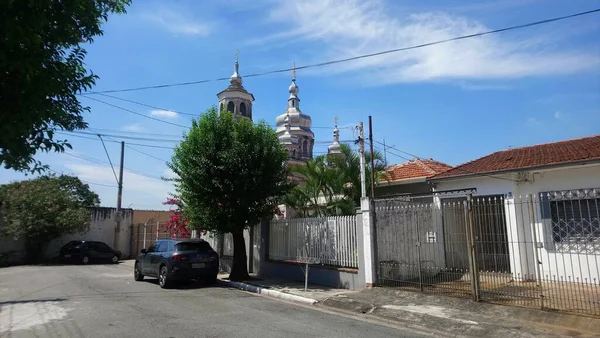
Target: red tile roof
{"points": [[416, 168], [558, 153]]}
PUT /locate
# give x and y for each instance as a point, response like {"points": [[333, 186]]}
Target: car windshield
{"points": [[192, 246], [73, 245]]}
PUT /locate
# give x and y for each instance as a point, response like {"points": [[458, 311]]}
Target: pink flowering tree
{"points": [[177, 225]]}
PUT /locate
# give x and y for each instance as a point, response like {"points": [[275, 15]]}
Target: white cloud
{"points": [[136, 127], [164, 113], [558, 115], [178, 23], [349, 28]]}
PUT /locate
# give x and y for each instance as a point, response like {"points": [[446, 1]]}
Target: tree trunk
{"points": [[239, 268]]}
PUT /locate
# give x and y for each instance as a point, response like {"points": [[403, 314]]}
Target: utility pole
{"points": [[384, 152], [372, 158], [361, 151], [119, 198]]}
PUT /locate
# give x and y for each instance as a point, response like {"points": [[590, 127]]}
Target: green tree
{"points": [[45, 208], [331, 184], [230, 175], [42, 67]]}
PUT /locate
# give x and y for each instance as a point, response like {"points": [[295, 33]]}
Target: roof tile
{"points": [[416, 168], [557, 153]]}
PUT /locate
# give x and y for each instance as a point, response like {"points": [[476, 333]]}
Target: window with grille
{"points": [[574, 217]]}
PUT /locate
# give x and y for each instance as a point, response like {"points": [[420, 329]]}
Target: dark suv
{"points": [[85, 252], [176, 260]]}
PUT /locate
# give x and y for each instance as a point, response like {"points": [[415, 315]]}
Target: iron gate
{"points": [[492, 248]]}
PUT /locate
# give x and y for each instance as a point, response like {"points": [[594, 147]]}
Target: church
{"points": [[293, 127]]}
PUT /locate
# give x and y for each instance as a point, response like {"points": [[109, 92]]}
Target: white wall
{"points": [[582, 267], [102, 226], [522, 247]]}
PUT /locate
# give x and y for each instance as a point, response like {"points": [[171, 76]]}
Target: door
{"points": [[146, 259], [157, 257]]}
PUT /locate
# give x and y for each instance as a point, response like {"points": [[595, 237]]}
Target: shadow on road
{"points": [[184, 285]]}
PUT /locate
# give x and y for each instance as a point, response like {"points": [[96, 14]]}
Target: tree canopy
{"points": [[45, 208], [42, 67], [230, 175], [331, 184]]}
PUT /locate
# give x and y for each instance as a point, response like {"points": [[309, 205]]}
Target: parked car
{"points": [[85, 252], [173, 260]]}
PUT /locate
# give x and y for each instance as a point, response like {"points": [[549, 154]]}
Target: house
{"points": [[409, 178], [536, 204]]}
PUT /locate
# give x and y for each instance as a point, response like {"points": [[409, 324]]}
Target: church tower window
{"points": [[230, 107], [243, 109]]}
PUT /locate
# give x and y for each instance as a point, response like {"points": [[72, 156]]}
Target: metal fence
{"points": [[326, 240], [145, 234], [537, 250]]}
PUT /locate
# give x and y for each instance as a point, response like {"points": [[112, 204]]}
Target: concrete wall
{"points": [[143, 216], [102, 226], [523, 250]]}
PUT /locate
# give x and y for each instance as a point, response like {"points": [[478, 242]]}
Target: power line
{"points": [[98, 161], [145, 104], [141, 152], [130, 143], [102, 130], [125, 137], [402, 151], [136, 113], [182, 113], [392, 153], [327, 63], [85, 181], [109, 160]]}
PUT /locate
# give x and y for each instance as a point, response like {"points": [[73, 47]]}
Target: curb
{"points": [[267, 292]]}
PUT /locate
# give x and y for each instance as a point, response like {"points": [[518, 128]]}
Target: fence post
{"points": [[538, 263], [418, 245], [471, 245], [368, 231]]}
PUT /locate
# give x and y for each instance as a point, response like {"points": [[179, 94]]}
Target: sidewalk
{"points": [[447, 316], [284, 289]]}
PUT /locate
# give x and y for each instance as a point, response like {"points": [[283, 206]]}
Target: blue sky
{"points": [[452, 102]]}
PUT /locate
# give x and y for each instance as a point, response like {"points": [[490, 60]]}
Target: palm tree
{"points": [[331, 184]]}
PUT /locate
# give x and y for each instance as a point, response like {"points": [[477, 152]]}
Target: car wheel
{"points": [[85, 260], [163, 277], [115, 259], [137, 274]]}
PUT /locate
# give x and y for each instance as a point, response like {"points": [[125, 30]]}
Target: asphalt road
{"points": [[105, 301]]}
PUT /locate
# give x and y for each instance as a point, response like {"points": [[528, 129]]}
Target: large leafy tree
{"points": [[45, 208], [230, 175], [331, 184], [42, 69]]}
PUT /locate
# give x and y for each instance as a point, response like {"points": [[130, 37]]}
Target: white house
{"points": [[533, 204]]}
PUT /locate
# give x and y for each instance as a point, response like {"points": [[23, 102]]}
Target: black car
{"points": [[85, 252], [177, 260]]}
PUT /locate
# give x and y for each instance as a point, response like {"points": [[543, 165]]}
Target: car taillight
{"points": [[213, 255], [180, 257]]}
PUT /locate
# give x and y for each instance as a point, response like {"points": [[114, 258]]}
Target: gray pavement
{"points": [[105, 301]]}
